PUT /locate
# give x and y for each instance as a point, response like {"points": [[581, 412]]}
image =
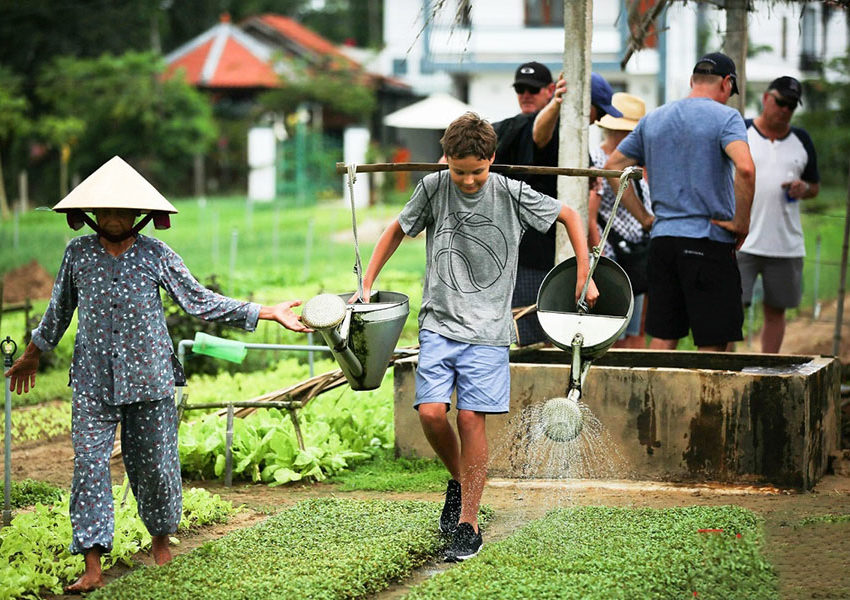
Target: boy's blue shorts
{"points": [[481, 374]]}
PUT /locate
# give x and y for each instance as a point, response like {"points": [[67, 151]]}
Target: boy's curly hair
{"points": [[469, 135]]}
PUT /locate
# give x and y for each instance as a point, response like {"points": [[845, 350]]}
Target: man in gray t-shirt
{"points": [[701, 182], [473, 222]]}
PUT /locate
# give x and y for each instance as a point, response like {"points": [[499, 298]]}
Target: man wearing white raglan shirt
{"points": [[786, 172]]}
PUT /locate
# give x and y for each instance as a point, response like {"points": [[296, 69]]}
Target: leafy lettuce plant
{"points": [[34, 548], [339, 429]]}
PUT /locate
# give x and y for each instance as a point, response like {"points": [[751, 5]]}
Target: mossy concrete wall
{"points": [[675, 416]]}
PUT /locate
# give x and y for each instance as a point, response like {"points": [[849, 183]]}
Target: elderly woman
{"points": [[625, 231], [123, 369]]}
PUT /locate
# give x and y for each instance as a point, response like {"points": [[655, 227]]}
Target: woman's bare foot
{"points": [[86, 583], [160, 550], [92, 579]]}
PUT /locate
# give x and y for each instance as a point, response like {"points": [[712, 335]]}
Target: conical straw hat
{"points": [[115, 185]]}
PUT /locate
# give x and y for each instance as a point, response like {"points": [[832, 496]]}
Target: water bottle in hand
{"points": [[789, 179]]}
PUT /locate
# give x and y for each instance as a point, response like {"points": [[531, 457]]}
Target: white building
{"points": [[475, 58]]}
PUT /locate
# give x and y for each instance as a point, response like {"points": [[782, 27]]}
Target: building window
{"points": [[808, 50], [544, 13]]}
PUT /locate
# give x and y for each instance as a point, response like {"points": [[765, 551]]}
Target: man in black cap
{"points": [[517, 145], [534, 88], [701, 183], [786, 172]]}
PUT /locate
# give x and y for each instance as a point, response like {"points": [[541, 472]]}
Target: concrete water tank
{"points": [[674, 416]]}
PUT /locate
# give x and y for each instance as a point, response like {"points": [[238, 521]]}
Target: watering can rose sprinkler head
{"points": [[330, 316], [562, 419], [323, 311]]}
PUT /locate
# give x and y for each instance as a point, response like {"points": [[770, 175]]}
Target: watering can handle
{"points": [[358, 267], [625, 179]]}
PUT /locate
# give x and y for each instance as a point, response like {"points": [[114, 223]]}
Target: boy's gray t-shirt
{"points": [[472, 243]]}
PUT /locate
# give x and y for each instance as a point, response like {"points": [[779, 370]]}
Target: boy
{"points": [[473, 222]]}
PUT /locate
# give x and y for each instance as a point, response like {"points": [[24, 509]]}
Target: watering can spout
{"points": [[361, 337], [329, 315]]}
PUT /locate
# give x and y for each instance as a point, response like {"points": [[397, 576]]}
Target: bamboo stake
{"points": [[503, 169], [839, 307]]}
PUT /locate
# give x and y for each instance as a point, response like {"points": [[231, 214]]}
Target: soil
{"points": [[806, 335], [811, 561], [27, 282]]}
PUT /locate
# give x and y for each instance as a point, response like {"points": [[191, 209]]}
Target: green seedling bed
{"points": [[320, 548], [598, 553]]}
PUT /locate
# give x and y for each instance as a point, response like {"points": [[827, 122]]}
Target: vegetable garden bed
{"points": [[321, 548], [331, 548], [610, 553]]}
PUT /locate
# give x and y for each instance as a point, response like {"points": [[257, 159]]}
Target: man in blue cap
{"points": [[701, 181], [518, 146]]}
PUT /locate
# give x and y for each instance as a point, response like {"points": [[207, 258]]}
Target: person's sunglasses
{"points": [[790, 104], [522, 88]]}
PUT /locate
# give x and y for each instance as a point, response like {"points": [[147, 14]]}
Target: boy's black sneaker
{"points": [[451, 508], [465, 543]]}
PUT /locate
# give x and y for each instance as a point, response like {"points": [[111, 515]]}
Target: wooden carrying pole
{"points": [[503, 169]]}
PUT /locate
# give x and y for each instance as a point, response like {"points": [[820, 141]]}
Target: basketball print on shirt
{"points": [[472, 252]]}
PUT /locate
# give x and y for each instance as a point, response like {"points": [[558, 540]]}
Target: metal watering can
{"points": [[587, 333], [361, 336]]}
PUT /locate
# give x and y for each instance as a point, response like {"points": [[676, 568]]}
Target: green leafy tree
{"points": [[336, 86], [131, 111], [827, 119], [61, 133], [13, 121]]}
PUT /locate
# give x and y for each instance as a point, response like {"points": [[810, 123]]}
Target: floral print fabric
{"points": [[122, 352]]}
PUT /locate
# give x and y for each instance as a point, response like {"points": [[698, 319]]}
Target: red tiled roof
{"points": [[192, 63], [305, 37], [238, 67], [224, 57]]}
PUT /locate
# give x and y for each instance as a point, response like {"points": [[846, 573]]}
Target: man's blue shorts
{"points": [[481, 374]]}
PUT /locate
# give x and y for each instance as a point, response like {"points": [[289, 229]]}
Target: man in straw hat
{"points": [[701, 176], [626, 238], [123, 369]]}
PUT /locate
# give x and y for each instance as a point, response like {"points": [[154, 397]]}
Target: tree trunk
{"points": [[4, 201], [575, 114], [735, 46]]}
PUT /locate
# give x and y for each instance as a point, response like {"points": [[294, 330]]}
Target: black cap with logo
{"points": [[533, 74], [718, 63]]}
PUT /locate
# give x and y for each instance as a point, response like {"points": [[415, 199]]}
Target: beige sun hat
{"points": [[633, 109], [115, 185]]}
